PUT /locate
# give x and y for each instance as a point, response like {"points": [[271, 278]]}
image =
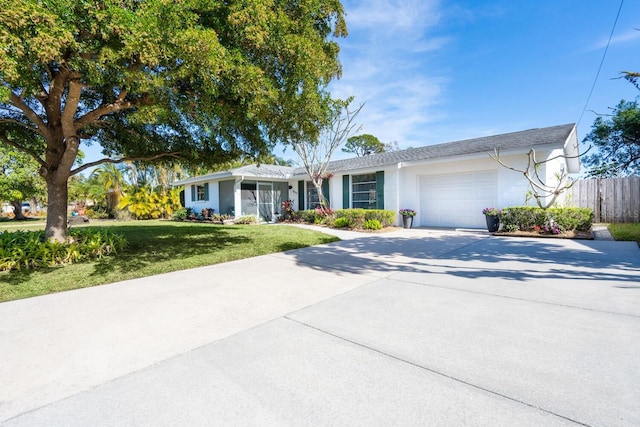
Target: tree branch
{"points": [[19, 103], [19, 123], [29, 151], [175, 154], [119, 105]]}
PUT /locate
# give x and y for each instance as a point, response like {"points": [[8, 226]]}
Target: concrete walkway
{"points": [[413, 327]]}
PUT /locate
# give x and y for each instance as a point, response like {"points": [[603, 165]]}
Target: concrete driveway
{"points": [[414, 327]]}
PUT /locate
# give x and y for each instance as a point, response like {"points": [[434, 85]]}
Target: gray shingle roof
{"points": [[523, 139]]}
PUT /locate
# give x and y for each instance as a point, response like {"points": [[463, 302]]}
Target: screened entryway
{"points": [[263, 199]]}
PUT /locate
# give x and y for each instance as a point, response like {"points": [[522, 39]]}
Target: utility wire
{"points": [[586, 104]]}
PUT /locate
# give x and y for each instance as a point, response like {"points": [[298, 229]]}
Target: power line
{"points": [[604, 55]]}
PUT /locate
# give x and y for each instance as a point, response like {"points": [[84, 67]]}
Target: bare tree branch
{"points": [[539, 188]]}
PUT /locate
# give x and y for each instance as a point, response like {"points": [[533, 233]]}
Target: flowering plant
{"points": [[491, 212], [551, 229], [407, 212]]}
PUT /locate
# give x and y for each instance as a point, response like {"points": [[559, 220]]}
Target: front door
{"points": [[265, 201]]}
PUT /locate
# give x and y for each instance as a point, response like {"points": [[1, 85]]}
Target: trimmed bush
{"points": [[341, 222], [372, 224], [529, 218], [358, 217], [579, 219], [21, 250]]}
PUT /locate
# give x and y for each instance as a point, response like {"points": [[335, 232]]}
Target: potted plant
{"points": [[407, 217], [492, 215]]}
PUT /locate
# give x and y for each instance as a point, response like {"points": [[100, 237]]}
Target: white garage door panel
{"points": [[457, 200]]}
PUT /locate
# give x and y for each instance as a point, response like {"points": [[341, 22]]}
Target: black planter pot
{"points": [[493, 223], [407, 222]]}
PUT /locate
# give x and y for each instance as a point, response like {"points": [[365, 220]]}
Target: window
{"points": [[311, 196], [200, 192], [363, 191]]}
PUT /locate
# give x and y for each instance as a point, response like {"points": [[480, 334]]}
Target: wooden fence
{"points": [[612, 199]]}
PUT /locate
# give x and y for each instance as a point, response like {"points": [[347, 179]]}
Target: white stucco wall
{"points": [[512, 186], [198, 205]]}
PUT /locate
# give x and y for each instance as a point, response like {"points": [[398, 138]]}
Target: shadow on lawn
{"points": [[155, 244]]}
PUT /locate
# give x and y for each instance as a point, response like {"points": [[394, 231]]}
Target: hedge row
{"points": [[30, 249], [351, 218], [527, 218]]}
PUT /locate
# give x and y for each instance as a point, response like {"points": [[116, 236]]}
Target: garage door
{"points": [[457, 200]]}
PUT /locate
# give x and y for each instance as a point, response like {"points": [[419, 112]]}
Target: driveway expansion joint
{"points": [[635, 316], [433, 371]]}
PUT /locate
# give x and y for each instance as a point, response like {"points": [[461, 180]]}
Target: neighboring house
{"points": [[447, 184]]}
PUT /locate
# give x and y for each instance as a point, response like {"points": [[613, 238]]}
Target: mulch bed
{"points": [[580, 235]]}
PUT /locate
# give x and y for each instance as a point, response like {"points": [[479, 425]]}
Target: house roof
{"points": [[557, 135], [254, 171]]}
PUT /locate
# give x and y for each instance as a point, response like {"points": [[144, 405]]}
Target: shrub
{"points": [[556, 220], [511, 227], [308, 216], [96, 213], [180, 214], [579, 219], [246, 219], [355, 217], [341, 222], [358, 217], [524, 217], [30, 249], [372, 224]]}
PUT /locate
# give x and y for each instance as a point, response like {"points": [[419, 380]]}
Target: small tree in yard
{"points": [[315, 154], [545, 194], [200, 81], [18, 179]]}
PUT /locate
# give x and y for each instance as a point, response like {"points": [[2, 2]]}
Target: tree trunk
{"points": [[56, 228], [321, 198], [17, 210]]}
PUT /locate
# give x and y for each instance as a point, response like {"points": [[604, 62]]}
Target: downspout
{"points": [[400, 166]]}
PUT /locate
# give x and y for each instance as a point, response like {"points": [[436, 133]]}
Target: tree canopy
{"points": [[18, 178], [617, 138], [205, 81], [363, 145]]}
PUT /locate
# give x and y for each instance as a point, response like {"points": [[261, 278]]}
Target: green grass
{"points": [[156, 247], [627, 232]]}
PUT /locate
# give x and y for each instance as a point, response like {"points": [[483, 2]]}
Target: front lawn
{"points": [[628, 232], [156, 247]]}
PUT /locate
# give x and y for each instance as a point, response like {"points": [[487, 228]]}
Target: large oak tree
{"points": [[203, 80]]}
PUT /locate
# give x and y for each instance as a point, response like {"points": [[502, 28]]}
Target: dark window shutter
{"points": [[380, 189], [193, 192], [206, 191], [345, 191], [325, 191], [301, 195]]}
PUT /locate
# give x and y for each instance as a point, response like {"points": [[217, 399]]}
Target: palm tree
{"points": [[111, 178]]}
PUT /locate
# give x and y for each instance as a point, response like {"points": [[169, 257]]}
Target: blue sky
{"points": [[436, 71]]}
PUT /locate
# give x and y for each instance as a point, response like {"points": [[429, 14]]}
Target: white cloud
{"points": [[625, 37], [387, 64], [389, 16]]}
